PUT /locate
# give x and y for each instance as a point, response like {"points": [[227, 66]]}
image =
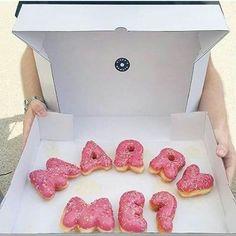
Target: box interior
{"points": [[178, 131]]}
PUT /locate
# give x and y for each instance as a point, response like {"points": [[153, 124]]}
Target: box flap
{"points": [[42, 129], [50, 125], [196, 125], [80, 17], [145, 17], [160, 44], [226, 195]]}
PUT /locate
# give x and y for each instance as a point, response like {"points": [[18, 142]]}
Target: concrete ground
{"points": [[11, 97]]}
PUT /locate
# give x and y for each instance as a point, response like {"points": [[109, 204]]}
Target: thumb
{"points": [[222, 138], [221, 150], [38, 108], [27, 123]]}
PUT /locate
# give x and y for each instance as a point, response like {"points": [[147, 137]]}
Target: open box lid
{"points": [[121, 58]]}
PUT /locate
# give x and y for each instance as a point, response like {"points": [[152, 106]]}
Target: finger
{"points": [[27, 123], [41, 112], [230, 165], [221, 150], [39, 109]]}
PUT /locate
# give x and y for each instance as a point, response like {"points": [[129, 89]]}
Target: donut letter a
{"points": [[94, 158]]}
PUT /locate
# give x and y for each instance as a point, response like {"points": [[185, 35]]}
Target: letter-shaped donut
{"points": [[129, 156], [167, 164], [87, 218], [165, 205], [94, 158], [54, 178], [130, 213], [194, 183]]}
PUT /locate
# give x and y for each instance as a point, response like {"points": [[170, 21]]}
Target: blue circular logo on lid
{"points": [[122, 64]]}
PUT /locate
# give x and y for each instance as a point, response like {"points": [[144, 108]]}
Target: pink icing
{"points": [[165, 204], [98, 214], [93, 157], [193, 180], [47, 182], [129, 153], [169, 161], [130, 213], [54, 178], [64, 167]]}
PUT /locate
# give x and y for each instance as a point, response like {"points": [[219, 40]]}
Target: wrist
{"points": [[222, 127]]}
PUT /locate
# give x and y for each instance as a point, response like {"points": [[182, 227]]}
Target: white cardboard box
{"points": [[168, 48]]}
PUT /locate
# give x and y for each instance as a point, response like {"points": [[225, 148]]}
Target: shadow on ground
{"points": [[10, 148]]}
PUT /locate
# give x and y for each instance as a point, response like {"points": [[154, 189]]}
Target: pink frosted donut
{"points": [[87, 218], [165, 205], [167, 164], [55, 178], [130, 213], [94, 158], [194, 183], [129, 155], [47, 182]]}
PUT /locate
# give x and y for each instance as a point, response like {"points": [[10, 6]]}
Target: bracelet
{"points": [[28, 100]]}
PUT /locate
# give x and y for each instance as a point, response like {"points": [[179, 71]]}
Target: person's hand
{"points": [[226, 151], [35, 108]]}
